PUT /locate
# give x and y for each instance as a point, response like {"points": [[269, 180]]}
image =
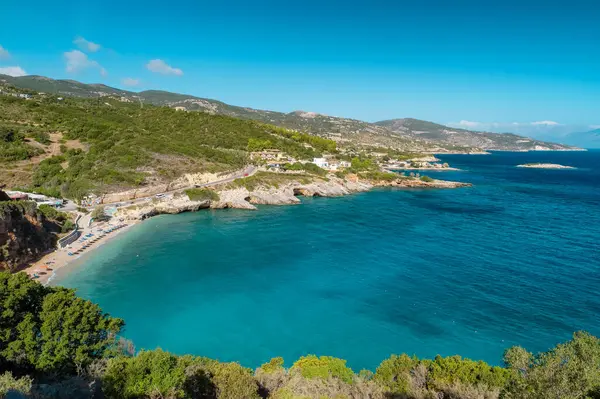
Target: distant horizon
{"points": [[529, 67]]}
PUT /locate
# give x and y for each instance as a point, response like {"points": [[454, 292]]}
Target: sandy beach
{"points": [[46, 267]]}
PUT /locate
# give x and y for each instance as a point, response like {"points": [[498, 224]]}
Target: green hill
{"points": [[107, 145], [401, 134]]}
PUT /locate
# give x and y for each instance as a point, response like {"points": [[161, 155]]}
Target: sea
{"points": [[513, 260]]}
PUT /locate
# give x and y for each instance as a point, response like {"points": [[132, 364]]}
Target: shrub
{"points": [[202, 194], [380, 176], [323, 367], [149, 374], [314, 169], [426, 179], [234, 381], [444, 371], [67, 226], [394, 373], [52, 213], [273, 365], [570, 370], [9, 384], [99, 214]]}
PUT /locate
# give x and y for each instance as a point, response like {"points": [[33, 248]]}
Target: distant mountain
{"points": [[403, 134], [434, 132], [590, 139]]}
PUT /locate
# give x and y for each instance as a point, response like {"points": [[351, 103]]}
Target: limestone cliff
{"points": [[25, 234], [268, 192]]}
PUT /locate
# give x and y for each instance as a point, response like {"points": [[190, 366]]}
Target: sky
{"points": [[496, 65]]}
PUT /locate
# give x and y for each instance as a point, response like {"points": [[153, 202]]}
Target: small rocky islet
{"points": [[545, 166]]}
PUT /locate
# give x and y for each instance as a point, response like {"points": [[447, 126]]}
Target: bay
{"points": [[514, 260]]}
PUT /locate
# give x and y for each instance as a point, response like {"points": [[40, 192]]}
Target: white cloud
{"points": [[4, 54], [13, 71], [78, 61], [545, 123], [130, 82], [86, 45], [468, 123], [159, 66]]}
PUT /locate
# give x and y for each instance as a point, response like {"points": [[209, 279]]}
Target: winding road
{"points": [[246, 172]]}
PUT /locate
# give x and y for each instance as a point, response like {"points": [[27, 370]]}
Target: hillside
{"points": [[434, 132], [402, 134], [74, 146]]}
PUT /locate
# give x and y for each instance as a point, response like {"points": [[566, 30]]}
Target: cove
{"points": [[513, 260]]}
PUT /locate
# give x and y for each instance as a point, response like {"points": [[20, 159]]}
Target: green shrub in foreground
{"points": [[60, 339], [426, 179], [161, 374], [394, 373], [323, 367]]}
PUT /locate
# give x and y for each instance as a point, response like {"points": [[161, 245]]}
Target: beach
{"points": [[91, 238]]}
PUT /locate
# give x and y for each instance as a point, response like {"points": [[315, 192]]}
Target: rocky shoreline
{"points": [[284, 194]]}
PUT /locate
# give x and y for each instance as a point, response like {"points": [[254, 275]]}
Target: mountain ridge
{"points": [[406, 134]]}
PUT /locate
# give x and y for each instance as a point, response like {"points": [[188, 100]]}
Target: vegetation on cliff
{"points": [[54, 344], [26, 231], [269, 179], [202, 194]]}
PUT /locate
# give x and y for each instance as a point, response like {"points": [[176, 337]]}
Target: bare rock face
{"points": [[25, 234], [168, 206], [285, 194], [235, 198]]}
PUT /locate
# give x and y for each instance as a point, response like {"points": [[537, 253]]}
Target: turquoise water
{"points": [[513, 260]]}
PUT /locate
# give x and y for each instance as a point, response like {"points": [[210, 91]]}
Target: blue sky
{"points": [[464, 62]]}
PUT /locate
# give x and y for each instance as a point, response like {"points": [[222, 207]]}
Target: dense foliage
{"points": [[13, 146], [51, 338], [50, 330]]}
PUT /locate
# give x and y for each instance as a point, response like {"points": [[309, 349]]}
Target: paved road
{"points": [[246, 172], [249, 171]]}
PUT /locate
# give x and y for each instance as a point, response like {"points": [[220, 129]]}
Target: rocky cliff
{"points": [[25, 234], [240, 197]]}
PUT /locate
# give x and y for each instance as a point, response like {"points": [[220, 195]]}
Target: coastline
{"points": [[239, 198], [47, 266]]}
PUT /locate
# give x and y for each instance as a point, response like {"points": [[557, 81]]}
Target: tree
{"points": [[51, 329], [568, 371], [98, 213]]}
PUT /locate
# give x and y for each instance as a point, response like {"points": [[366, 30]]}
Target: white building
{"points": [[321, 163]]}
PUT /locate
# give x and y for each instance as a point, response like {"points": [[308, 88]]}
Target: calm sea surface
{"points": [[513, 260]]}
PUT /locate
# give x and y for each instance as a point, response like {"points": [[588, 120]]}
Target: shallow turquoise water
{"points": [[513, 260]]}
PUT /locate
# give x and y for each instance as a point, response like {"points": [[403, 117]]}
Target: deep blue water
{"points": [[513, 260]]}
